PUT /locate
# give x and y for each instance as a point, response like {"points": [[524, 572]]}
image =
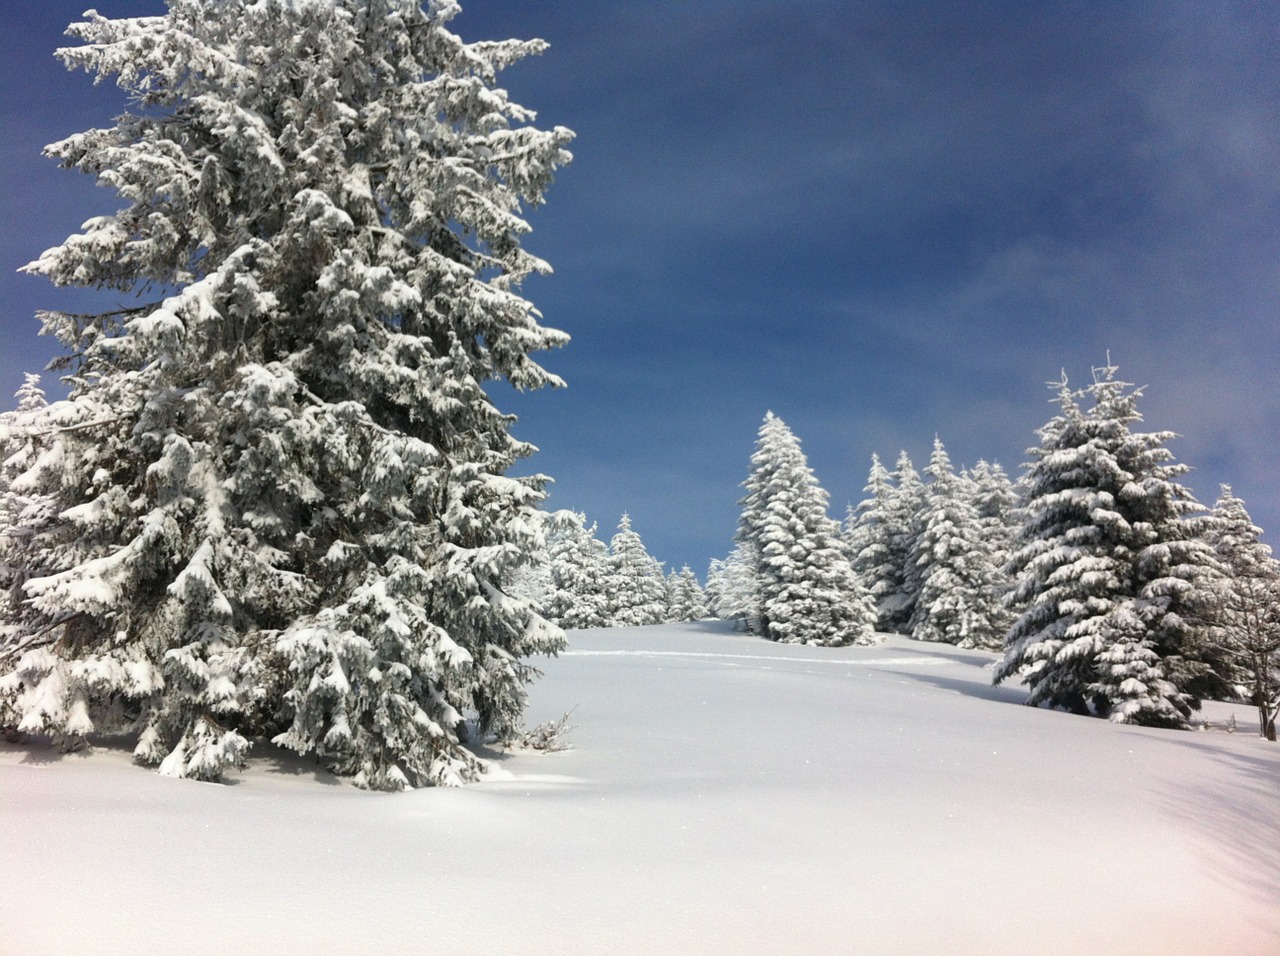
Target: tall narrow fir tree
{"points": [[1247, 607], [806, 591]]}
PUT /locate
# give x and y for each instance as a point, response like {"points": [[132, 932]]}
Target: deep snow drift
{"points": [[725, 795]]}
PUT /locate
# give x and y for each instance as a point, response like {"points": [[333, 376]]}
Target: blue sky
{"points": [[881, 221]]}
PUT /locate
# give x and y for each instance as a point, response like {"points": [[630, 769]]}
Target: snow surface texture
{"points": [[725, 795]]}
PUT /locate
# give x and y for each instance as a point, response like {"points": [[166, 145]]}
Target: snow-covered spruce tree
{"points": [[282, 490], [669, 582], [24, 514], [715, 576], [961, 587], [635, 587], [906, 516], [531, 581], [870, 545], [1247, 607], [899, 578], [1113, 579], [996, 499], [806, 591], [579, 569], [686, 599], [23, 439], [731, 587]]}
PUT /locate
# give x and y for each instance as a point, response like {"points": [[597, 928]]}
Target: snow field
{"points": [[725, 795]]}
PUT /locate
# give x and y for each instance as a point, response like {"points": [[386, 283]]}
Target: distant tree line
{"points": [[577, 581], [1107, 587]]}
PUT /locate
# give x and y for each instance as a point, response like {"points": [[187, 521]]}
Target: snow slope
{"points": [[725, 795]]}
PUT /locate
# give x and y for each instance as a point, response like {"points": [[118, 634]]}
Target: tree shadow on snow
{"points": [[35, 751], [950, 652], [491, 751], [711, 626], [1238, 813], [279, 760], [39, 750], [981, 689]]}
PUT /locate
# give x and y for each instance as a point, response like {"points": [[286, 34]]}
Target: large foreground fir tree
{"points": [[1115, 582], [280, 482]]}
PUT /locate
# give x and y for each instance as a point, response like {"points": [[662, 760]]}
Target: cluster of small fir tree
{"points": [[731, 587], [1107, 587], [686, 599], [804, 589], [591, 584], [962, 588], [636, 587], [931, 553], [578, 564]]}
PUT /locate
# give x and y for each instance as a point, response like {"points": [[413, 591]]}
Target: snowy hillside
{"points": [[725, 795]]}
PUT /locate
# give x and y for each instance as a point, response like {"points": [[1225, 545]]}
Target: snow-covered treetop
{"points": [[381, 129]]}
